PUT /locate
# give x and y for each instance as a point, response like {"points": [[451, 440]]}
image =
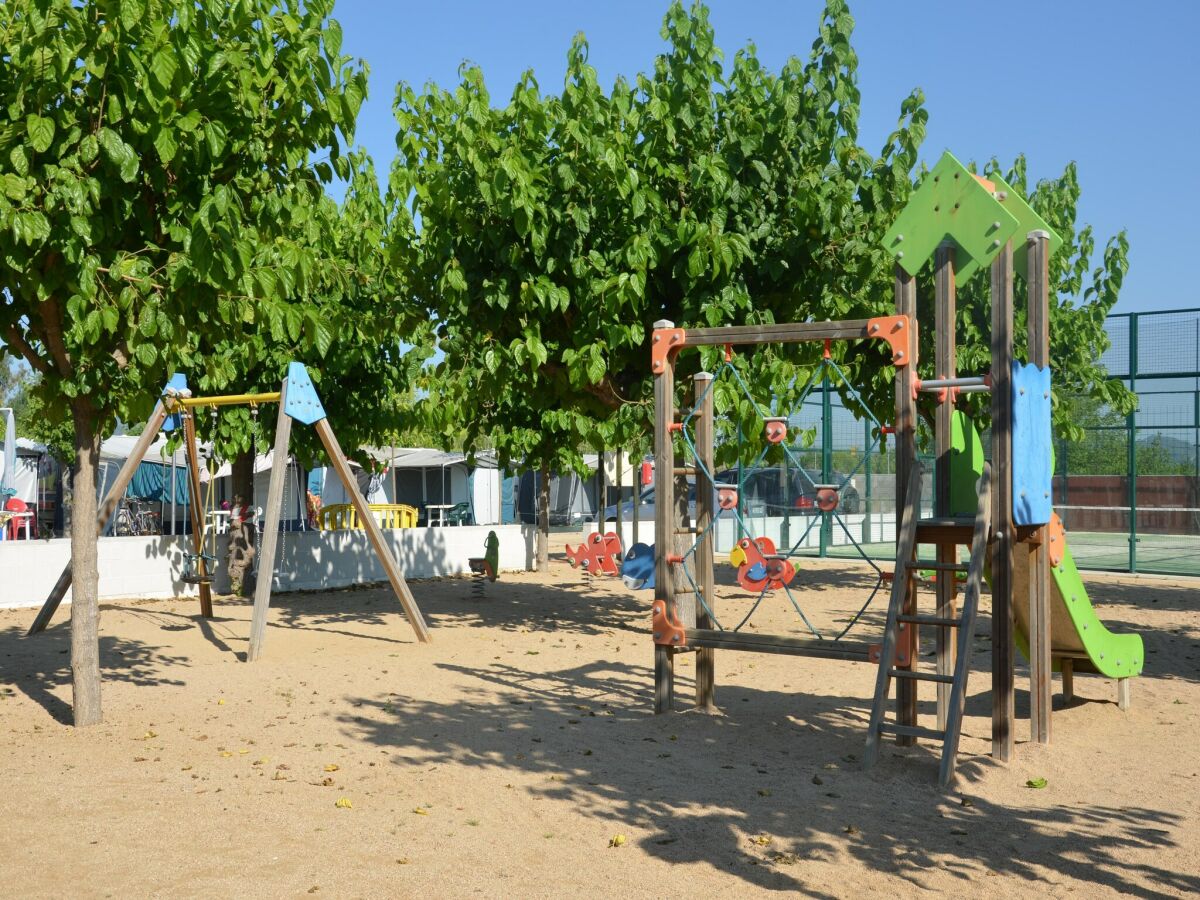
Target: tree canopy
{"points": [[545, 235]]}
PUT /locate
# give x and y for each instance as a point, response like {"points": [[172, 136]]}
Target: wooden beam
{"points": [[196, 512], [705, 580], [664, 525], [1002, 526], [270, 537], [945, 366], [1041, 678], [399, 585], [711, 639], [793, 332], [906, 453], [104, 513]]}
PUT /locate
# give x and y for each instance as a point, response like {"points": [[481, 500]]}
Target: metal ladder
{"points": [[898, 617]]}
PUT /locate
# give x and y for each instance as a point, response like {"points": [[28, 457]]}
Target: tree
{"points": [[158, 157], [554, 230]]}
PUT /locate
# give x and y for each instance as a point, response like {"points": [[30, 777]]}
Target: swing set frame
{"points": [[298, 401]]}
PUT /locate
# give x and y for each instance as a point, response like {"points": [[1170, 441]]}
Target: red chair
{"points": [[16, 523]]}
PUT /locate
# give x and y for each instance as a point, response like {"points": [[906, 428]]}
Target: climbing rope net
{"points": [[762, 568]]}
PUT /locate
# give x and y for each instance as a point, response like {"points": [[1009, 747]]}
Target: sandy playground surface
{"points": [[506, 757]]}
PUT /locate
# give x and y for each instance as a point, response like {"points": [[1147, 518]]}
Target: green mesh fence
{"points": [[1128, 493]]}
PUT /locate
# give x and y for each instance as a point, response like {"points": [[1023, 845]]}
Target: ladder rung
{"points": [[930, 620], [684, 470], [683, 531], [937, 566], [922, 676], [912, 731]]}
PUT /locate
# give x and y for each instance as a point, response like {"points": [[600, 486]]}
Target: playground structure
{"points": [[1001, 510], [298, 400]]}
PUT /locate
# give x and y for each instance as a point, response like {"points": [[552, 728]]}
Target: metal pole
{"points": [[826, 457], [866, 530], [1131, 437]]}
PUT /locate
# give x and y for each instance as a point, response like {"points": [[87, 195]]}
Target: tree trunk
{"points": [[543, 513], [240, 545], [85, 608]]}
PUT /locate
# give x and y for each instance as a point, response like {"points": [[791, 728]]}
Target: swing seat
{"points": [[191, 568]]}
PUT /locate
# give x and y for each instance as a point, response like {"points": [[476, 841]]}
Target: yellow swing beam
{"points": [[225, 400]]}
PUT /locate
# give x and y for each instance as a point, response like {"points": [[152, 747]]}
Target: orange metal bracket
{"points": [[894, 330], [1058, 539], [906, 643], [668, 630], [664, 342]]}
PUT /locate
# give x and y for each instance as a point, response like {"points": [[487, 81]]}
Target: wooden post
{"points": [[196, 511], [1040, 672], [706, 657], [411, 611], [1002, 530], [1123, 693], [270, 537], [906, 454], [945, 303], [103, 514], [664, 526], [620, 519]]}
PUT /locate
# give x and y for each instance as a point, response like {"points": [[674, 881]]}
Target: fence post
{"points": [[1131, 437], [866, 532], [826, 458]]}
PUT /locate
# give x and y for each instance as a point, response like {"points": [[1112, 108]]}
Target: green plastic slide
{"points": [[1075, 629], [1076, 632]]}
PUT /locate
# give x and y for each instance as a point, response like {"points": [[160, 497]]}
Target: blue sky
{"points": [[1112, 85]]}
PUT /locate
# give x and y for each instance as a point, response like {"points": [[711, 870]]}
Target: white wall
{"points": [[147, 567]]}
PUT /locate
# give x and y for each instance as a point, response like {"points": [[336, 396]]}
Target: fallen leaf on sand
{"points": [[852, 829], [343, 803], [149, 734], [764, 792], [220, 703], [332, 767], [420, 811], [1036, 783], [762, 840], [616, 840], [226, 754], [261, 762]]}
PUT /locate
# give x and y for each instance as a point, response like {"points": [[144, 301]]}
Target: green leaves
{"points": [[163, 66], [118, 153], [40, 131]]}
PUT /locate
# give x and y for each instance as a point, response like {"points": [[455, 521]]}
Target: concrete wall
{"points": [[147, 567]]}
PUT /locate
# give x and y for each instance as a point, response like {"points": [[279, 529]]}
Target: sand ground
{"points": [[502, 759]]}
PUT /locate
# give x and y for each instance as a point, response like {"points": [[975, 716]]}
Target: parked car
{"points": [[765, 494]]}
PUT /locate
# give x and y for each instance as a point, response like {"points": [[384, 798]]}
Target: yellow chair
{"points": [[343, 516]]}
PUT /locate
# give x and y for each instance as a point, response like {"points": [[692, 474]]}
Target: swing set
{"points": [[298, 401]]}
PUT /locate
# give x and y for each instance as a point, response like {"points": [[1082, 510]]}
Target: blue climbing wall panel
{"points": [[1033, 464]]}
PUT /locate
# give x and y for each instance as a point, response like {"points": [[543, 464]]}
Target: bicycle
{"points": [[136, 517]]}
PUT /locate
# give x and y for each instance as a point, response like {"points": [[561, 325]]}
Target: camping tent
{"points": [[422, 477]]}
